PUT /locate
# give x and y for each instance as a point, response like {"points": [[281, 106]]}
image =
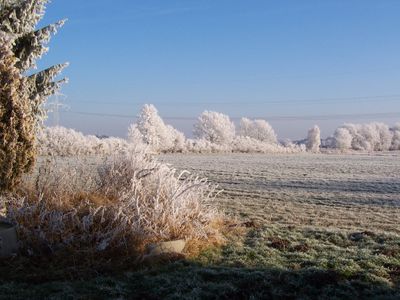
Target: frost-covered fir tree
{"points": [[22, 96], [314, 139], [16, 122], [215, 127]]}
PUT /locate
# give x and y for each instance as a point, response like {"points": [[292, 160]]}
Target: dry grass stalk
{"points": [[111, 211]]}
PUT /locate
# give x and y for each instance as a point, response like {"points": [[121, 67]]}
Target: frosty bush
{"points": [[343, 139], [257, 129], [215, 127], [368, 137], [60, 141], [245, 144], [314, 139], [112, 210], [204, 146], [178, 140], [395, 145]]}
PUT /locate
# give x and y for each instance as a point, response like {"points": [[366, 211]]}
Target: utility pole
{"points": [[55, 107]]}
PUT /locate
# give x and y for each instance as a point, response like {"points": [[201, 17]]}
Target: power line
{"points": [[269, 118], [395, 97]]}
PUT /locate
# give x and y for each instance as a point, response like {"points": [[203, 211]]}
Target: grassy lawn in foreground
{"points": [[265, 262], [315, 227]]}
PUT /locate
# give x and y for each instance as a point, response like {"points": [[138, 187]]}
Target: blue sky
{"points": [[255, 58]]}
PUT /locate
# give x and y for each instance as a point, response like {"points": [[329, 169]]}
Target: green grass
{"points": [[267, 262]]}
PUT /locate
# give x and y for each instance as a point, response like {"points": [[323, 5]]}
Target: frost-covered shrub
{"points": [[257, 129], [314, 139], [343, 139], [134, 134], [178, 140], [395, 144], [240, 144], [109, 210], [205, 146], [385, 137], [152, 131], [245, 144], [214, 127], [368, 137], [61, 141]]}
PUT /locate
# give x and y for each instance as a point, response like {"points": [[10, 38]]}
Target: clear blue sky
{"points": [[254, 58]]}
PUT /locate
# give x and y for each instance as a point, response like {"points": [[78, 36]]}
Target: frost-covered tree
{"points": [[17, 152], [385, 137], [178, 139], [369, 137], [260, 130], [19, 19], [154, 132], [214, 127], [342, 139], [22, 95], [152, 128], [314, 139], [134, 134], [395, 144]]}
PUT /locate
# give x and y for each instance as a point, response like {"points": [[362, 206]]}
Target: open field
{"points": [[313, 226], [350, 192]]}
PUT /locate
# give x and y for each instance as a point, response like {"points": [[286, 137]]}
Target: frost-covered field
{"points": [[360, 191]]}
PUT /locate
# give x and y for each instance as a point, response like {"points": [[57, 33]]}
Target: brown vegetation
{"points": [[111, 211]]}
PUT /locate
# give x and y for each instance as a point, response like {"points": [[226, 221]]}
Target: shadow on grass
{"points": [[190, 281], [217, 275]]}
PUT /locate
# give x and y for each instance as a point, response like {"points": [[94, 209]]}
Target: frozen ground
{"points": [[323, 227], [333, 191]]}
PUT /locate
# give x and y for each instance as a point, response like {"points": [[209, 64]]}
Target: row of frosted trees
{"points": [[215, 133], [367, 137]]}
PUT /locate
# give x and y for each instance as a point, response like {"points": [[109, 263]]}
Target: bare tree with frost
{"points": [[314, 139]]}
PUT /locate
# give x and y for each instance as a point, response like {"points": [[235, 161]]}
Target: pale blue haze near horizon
{"points": [[243, 58]]}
